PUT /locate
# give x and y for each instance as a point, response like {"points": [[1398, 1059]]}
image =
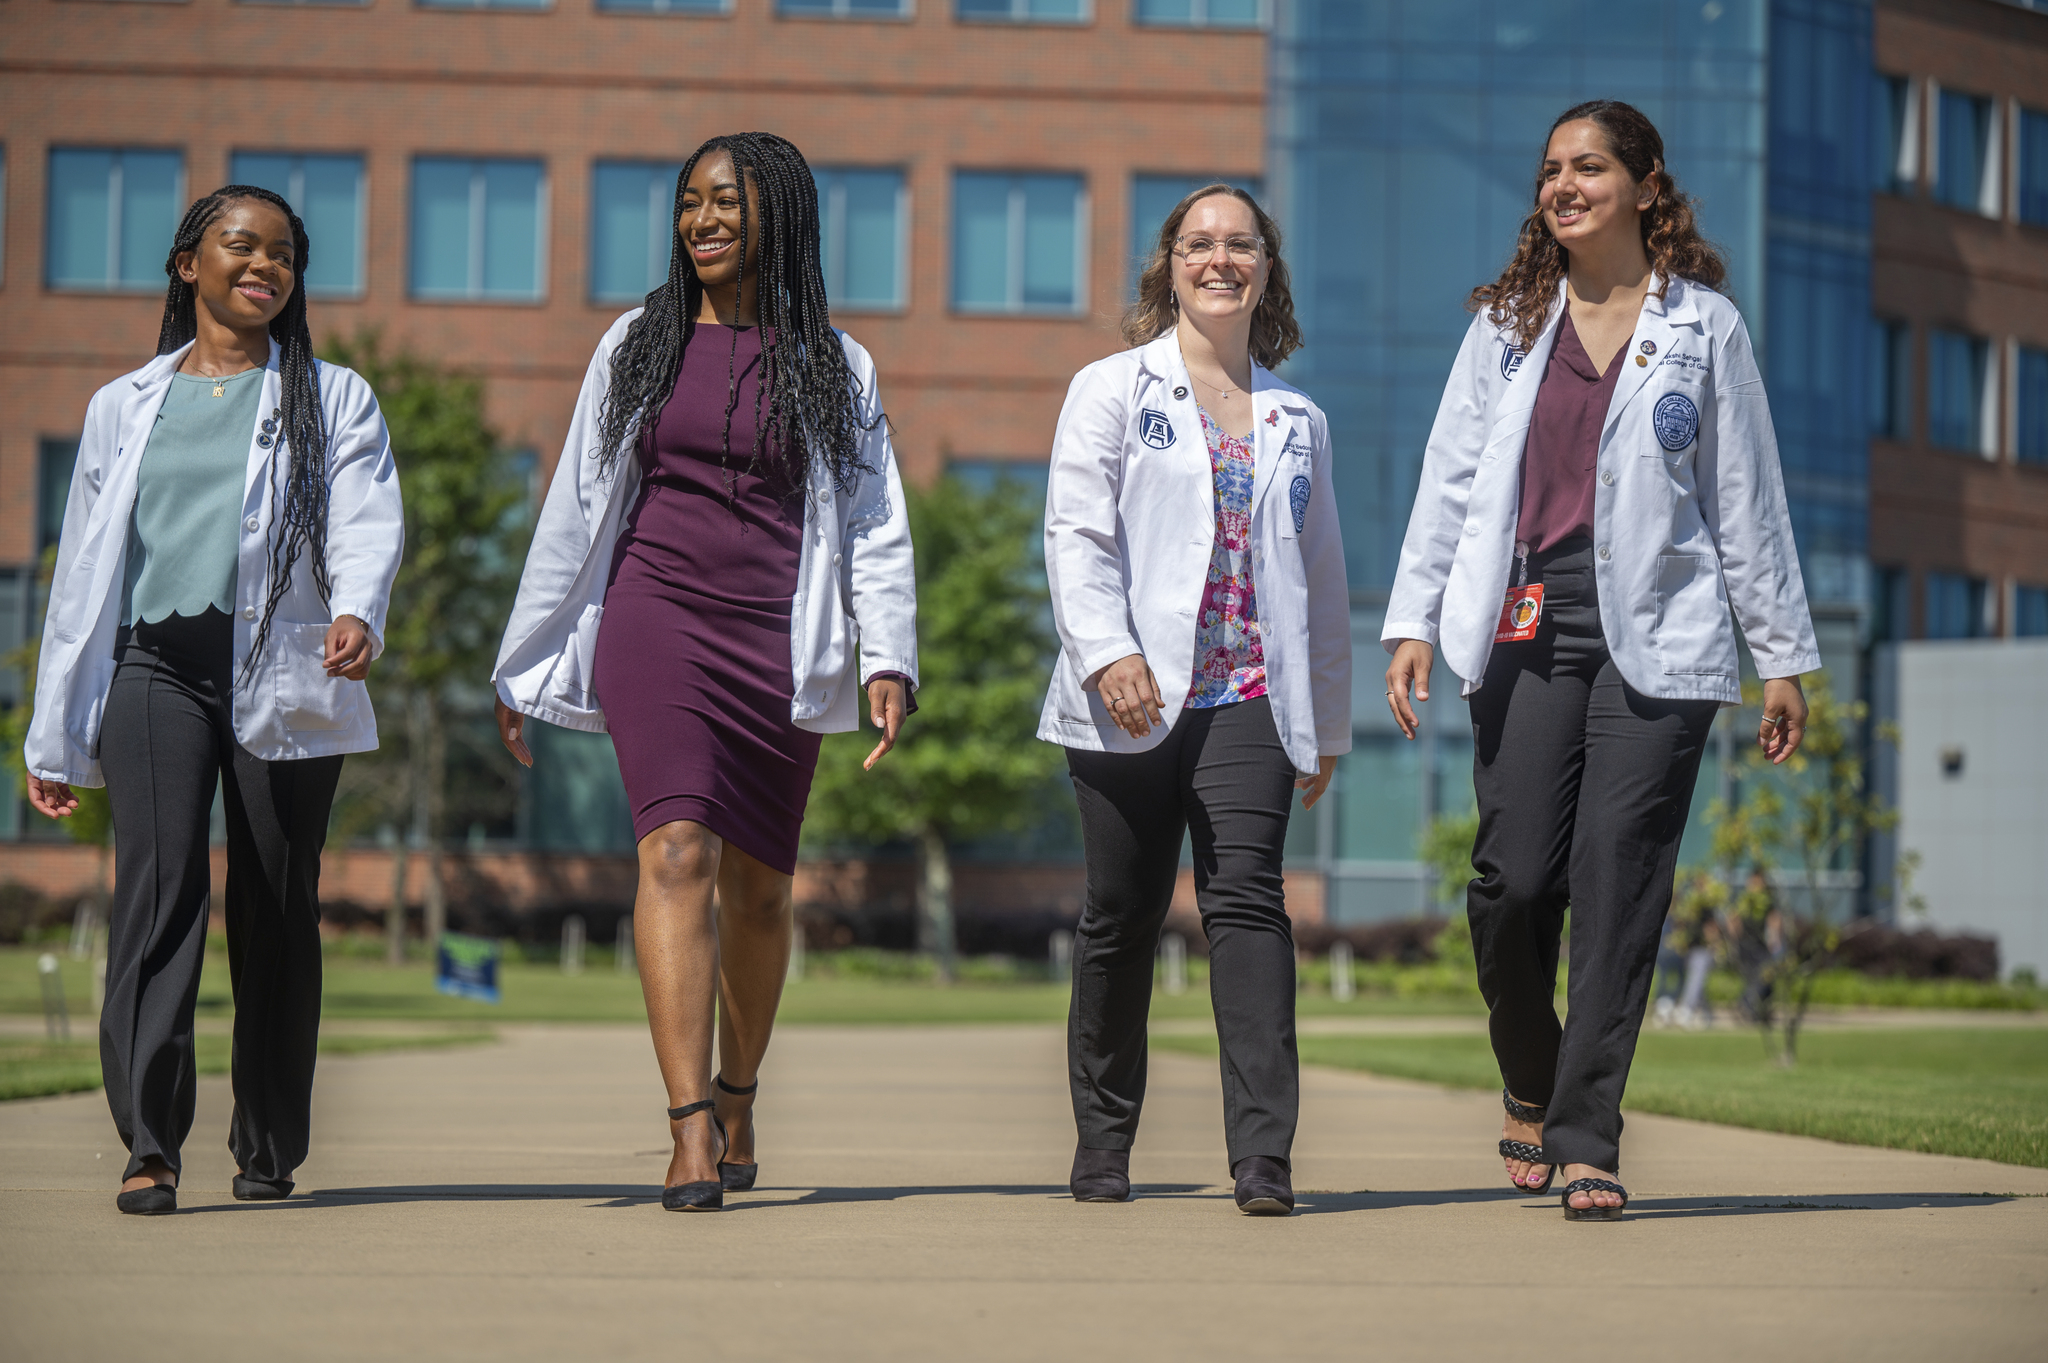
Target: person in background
{"points": [[1599, 495], [1204, 674], [229, 544]]}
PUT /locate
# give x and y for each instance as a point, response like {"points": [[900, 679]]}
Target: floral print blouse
{"points": [[1230, 662]]}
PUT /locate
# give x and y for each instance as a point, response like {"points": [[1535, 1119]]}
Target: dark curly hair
{"points": [[1156, 308], [1523, 295], [812, 395], [301, 524]]}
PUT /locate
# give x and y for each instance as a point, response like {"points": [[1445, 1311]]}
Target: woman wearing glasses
{"points": [[1204, 674]]}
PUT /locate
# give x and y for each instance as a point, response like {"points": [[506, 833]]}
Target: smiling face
{"points": [[1220, 288], [245, 267], [710, 224], [1586, 193]]}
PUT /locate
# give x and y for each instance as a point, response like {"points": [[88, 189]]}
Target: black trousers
{"points": [[1554, 720], [168, 735], [1222, 776]]}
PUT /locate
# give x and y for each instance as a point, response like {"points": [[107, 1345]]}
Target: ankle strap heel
{"points": [[704, 1195], [736, 1178]]}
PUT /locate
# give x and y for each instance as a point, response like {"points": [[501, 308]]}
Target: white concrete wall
{"points": [[1980, 706]]}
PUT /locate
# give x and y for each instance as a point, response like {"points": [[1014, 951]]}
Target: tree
{"points": [[467, 520], [1817, 810], [968, 764]]}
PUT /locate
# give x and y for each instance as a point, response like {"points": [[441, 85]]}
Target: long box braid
{"points": [[812, 395], [301, 525]]}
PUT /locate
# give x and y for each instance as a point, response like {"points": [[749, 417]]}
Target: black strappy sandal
{"points": [[1522, 1150], [1593, 1185], [737, 1178], [705, 1195]]}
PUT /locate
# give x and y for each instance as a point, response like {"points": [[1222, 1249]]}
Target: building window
{"points": [[864, 220], [2030, 611], [845, 9], [1018, 242], [1155, 196], [2033, 167], [1961, 402], [55, 457], [664, 6], [1201, 13], [1966, 158], [485, 4], [2030, 378], [1025, 11], [1894, 138], [1956, 607], [1891, 380], [632, 228], [1891, 605], [327, 194], [478, 229], [356, 3], [112, 216]]}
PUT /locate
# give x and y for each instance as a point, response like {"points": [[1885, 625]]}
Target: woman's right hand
{"points": [[511, 724], [52, 798], [1410, 667], [1131, 694]]}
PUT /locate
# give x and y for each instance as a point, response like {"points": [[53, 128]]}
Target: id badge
{"points": [[1520, 614]]}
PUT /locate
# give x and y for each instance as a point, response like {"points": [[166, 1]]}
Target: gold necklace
{"points": [[1220, 392]]}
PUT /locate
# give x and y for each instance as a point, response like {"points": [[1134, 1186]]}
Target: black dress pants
{"points": [[1222, 776], [1584, 785], [167, 737]]}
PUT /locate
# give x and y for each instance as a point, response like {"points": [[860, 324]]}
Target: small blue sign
{"points": [[467, 967], [1154, 429], [1677, 421], [1511, 358], [1297, 497]]}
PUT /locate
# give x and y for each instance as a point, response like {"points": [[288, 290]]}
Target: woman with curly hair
{"points": [[722, 565], [1601, 489], [1204, 675]]}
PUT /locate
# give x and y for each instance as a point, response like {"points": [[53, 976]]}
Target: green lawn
{"points": [[33, 1068], [1955, 1091]]}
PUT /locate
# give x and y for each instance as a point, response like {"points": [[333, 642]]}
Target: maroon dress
{"points": [[1563, 448], [693, 667]]}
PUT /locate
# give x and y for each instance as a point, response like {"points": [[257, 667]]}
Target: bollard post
{"points": [[56, 1021], [1173, 949], [1342, 987], [796, 953], [622, 953], [572, 944], [84, 929], [1062, 957]]}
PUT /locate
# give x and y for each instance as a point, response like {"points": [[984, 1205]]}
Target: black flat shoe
{"points": [[1522, 1150], [705, 1195], [248, 1189], [1593, 1185], [1263, 1186], [1100, 1175], [737, 1178], [159, 1199]]}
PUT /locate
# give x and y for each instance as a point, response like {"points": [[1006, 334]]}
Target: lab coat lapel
{"points": [[259, 455], [1277, 425], [1172, 392], [1658, 323], [1518, 403]]}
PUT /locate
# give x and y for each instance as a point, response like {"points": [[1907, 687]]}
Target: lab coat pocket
{"points": [[575, 671], [1692, 633], [307, 698]]}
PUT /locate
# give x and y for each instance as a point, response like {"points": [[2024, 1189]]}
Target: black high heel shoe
{"points": [[737, 1178], [704, 1195], [1593, 1185], [158, 1199], [1522, 1150]]}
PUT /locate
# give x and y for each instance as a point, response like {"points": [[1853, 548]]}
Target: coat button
{"points": [[1604, 555], [1606, 478], [248, 612], [252, 525], [1471, 529], [835, 560]]}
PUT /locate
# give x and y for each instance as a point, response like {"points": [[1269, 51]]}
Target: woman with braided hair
{"points": [[229, 543], [722, 564]]}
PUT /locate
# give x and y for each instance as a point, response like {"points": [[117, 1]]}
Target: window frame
{"points": [[2029, 125], [1903, 134], [487, 6], [2022, 454], [362, 264], [1014, 248], [1986, 431], [1204, 24], [1086, 16], [661, 9], [1985, 199], [543, 205], [905, 10], [1978, 601], [592, 296], [115, 286], [1892, 337], [904, 221]]}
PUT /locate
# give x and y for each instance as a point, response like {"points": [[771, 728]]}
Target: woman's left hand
{"points": [[887, 700], [348, 648], [1784, 722], [1326, 767]]}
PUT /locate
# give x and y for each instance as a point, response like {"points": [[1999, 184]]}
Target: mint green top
{"points": [[183, 541]]}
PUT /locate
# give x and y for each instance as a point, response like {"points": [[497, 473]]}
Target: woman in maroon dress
{"points": [[722, 565]]}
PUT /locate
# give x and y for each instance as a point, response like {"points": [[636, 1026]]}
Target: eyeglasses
{"points": [[1199, 250]]}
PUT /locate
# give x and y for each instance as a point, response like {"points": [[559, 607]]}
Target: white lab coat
{"points": [[856, 581], [1689, 518], [289, 708], [1130, 523]]}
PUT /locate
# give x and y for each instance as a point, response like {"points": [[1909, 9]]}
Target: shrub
{"points": [[1889, 952]]}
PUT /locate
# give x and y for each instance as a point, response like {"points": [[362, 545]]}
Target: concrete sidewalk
{"points": [[500, 1203]]}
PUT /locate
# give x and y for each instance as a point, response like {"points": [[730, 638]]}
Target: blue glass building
{"points": [[1405, 136]]}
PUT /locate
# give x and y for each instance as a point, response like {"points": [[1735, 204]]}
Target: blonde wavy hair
{"points": [[1522, 297], [1156, 309]]}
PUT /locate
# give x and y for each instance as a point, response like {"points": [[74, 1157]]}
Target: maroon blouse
{"points": [[1564, 442]]}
